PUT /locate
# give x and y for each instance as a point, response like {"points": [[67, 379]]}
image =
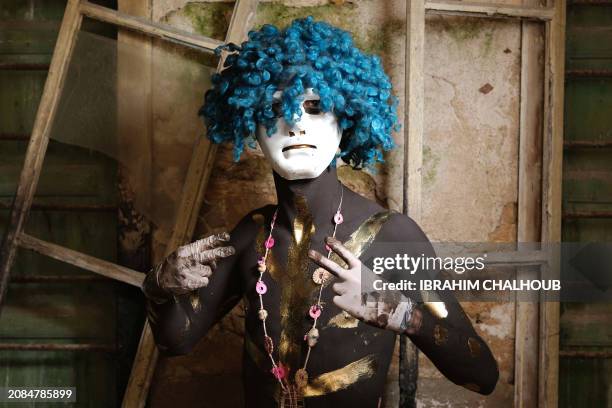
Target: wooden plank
{"points": [[489, 10], [529, 207], [413, 161], [28, 37], [135, 139], [198, 174], [146, 26], [99, 266], [39, 311], [89, 347], [554, 74], [39, 139], [413, 109]]}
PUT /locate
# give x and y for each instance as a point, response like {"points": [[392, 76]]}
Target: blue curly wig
{"points": [[307, 54]]}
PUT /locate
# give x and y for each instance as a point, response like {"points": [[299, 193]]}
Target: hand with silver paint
{"points": [[187, 269], [392, 310]]}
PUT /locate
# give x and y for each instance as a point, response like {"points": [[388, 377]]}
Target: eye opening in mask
{"points": [[312, 106], [277, 108]]}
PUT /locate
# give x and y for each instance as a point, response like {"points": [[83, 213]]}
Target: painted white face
{"points": [[304, 150]]}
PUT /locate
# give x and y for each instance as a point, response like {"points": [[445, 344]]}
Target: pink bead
{"points": [[269, 242], [338, 218], [261, 288], [261, 261], [327, 248], [315, 311], [279, 372]]}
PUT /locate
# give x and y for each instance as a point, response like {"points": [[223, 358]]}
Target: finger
{"points": [[344, 304], [328, 264], [198, 283], [212, 241], [215, 253], [201, 270], [339, 288], [192, 281], [202, 244], [351, 260]]}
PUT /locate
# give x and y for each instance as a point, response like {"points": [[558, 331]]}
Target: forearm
{"points": [[178, 322], [454, 348], [170, 317]]}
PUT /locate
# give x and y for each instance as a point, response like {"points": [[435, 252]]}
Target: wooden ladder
{"points": [[193, 191]]}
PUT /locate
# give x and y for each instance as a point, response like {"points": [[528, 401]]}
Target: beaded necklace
{"points": [[319, 276]]}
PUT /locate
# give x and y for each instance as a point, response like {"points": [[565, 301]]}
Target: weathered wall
{"points": [[469, 176]]}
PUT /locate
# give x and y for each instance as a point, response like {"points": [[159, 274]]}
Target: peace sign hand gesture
{"points": [[355, 294], [189, 267]]}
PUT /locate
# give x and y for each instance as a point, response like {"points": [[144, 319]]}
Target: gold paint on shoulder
{"points": [[472, 387], [362, 238], [342, 378], [474, 347], [342, 321], [258, 218]]}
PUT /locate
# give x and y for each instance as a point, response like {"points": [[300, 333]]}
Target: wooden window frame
{"points": [[539, 183]]}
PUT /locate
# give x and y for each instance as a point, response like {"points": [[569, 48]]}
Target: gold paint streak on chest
{"points": [[297, 289]]}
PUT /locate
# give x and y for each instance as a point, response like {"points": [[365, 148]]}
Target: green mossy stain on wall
{"points": [[379, 39], [211, 20], [430, 165], [464, 29]]}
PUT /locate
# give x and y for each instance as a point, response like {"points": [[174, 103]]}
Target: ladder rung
{"points": [[56, 278], [4, 205], [588, 73], [146, 26], [21, 66], [107, 348], [586, 144], [588, 214], [585, 354], [88, 262]]}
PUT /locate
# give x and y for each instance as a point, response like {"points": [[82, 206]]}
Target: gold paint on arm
{"points": [[194, 299], [474, 346], [440, 335], [343, 321], [341, 378]]}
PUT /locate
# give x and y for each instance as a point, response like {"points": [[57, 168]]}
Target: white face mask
{"points": [[304, 150]]}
